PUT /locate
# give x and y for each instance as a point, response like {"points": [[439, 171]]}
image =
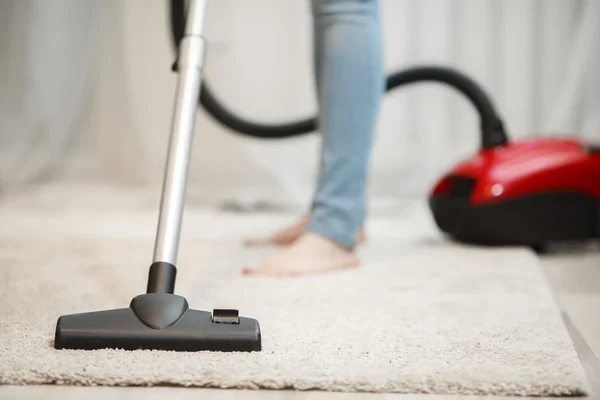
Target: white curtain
{"points": [[47, 61], [538, 60]]}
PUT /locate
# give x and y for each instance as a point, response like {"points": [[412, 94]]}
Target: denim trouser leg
{"points": [[350, 81]]}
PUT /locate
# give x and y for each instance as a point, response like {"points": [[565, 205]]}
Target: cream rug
{"points": [[419, 316]]}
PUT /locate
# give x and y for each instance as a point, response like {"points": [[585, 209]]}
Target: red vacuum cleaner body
{"points": [[529, 192]]}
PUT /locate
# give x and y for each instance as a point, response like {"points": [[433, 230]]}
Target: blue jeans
{"points": [[350, 81]]}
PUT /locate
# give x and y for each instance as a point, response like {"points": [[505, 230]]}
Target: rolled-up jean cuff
{"points": [[346, 240]]}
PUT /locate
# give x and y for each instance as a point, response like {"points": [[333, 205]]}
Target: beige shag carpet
{"points": [[419, 316]]}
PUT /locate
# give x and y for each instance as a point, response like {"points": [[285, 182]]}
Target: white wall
{"points": [[537, 58]]}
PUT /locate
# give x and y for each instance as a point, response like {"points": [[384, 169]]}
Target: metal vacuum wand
{"points": [[190, 65]]}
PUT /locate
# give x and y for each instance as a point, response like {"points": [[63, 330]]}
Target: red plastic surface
{"points": [[528, 167]]}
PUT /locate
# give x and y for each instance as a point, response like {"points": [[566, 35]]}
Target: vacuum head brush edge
{"points": [[158, 321]]}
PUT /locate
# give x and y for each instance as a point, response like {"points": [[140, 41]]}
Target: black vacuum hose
{"points": [[492, 129]]}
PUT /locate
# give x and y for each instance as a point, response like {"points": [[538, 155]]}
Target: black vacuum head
{"points": [[158, 321]]}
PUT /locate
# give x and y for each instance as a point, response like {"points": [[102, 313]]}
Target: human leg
{"points": [[350, 81], [356, 19]]}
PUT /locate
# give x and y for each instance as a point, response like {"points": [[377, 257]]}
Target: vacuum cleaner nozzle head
{"points": [[158, 321]]}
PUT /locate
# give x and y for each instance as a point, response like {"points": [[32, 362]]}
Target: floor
{"points": [[573, 274]]}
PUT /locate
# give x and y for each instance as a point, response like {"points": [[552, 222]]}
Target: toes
{"points": [[276, 240], [283, 237], [250, 271], [261, 269], [257, 241], [270, 269]]}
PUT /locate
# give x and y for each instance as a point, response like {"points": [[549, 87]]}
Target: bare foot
{"points": [[290, 234], [310, 254]]}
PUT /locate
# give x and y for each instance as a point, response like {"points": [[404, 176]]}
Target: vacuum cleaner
{"points": [[159, 319], [530, 192]]}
